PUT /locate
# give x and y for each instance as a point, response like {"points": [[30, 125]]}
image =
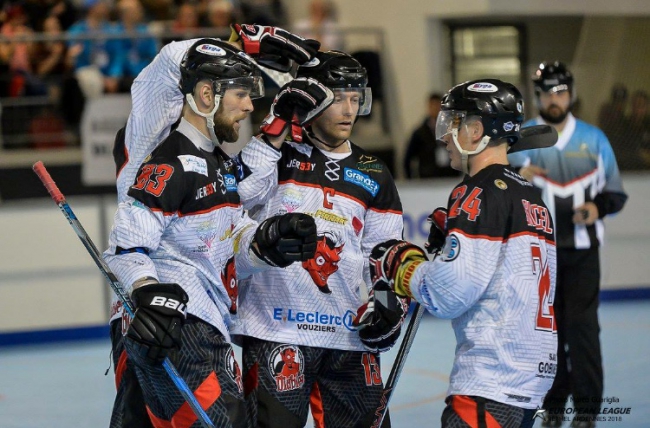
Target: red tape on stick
{"points": [[48, 182]]}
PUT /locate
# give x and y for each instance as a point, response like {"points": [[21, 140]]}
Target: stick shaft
{"points": [[59, 199], [398, 364]]}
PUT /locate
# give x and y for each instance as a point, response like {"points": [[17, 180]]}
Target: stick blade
{"points": [[535, 137]]}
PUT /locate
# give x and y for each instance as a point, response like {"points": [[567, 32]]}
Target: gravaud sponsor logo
{"points": [[315, 320], [595, 409]]}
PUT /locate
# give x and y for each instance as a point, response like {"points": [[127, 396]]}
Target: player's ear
{"points": [[203, 91], [475, 130]]}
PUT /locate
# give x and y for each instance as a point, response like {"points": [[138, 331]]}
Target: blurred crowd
{"points": [[66, 57], [624, 119]]}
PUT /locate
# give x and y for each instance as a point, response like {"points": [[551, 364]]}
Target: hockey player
{"points": [[495, 275], [309, 311], [174, 242], [581, 185], [157, 102]]}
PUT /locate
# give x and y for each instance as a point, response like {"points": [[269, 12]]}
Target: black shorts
{"points": [[465, 411], [283, 381], [206, 362]]}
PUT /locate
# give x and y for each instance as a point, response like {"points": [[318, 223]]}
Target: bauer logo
{"points": [[209, 49], [360, 179], [482, 87]]}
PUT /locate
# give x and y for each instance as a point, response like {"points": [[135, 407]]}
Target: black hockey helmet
{"points": [[221, 63], [499, 105], [554, 77], [339, 70]]}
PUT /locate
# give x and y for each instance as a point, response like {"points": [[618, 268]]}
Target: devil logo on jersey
{"points": [[286, 364], [234, 371], [229, 279], [325, 262]]}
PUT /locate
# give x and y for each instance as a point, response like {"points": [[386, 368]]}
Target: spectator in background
{"points": [[186, 20], [48, 60], [17, 54], [611, 117], [39, 10], [135, 54], [95, 61], [634, 156], [431, 156], [321, 25], [219, 14], [263, 12]]}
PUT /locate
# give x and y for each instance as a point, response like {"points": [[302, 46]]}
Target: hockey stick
{"points": [[398, 364], [59, 199]]}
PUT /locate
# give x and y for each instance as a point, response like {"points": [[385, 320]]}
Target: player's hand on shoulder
{"points": [[275, 47], [155, 329], [298, 103], [284, 239], [379, 321], [437, 232], [391, 260]]}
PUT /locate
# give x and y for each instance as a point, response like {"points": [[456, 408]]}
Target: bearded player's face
{"points": [[235, 106]]}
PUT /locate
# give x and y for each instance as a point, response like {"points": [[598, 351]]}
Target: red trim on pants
{"points": [[119, 370], [316, 404], [467, 409], [206, 394]]}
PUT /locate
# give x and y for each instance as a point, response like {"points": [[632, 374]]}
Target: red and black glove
{"points": [[392, 262], [274, 47], [298, 103], [437, 232], [284, 239], [155, 329], [379, 321]]}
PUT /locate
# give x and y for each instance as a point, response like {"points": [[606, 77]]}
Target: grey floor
{"points": [[63, 385]]}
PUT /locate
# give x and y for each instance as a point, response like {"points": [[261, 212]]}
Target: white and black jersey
{"points": [[496, 279], [181, 223], [354, 201]]}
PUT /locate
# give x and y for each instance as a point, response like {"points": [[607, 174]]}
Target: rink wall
{"points": [[51, 290]]}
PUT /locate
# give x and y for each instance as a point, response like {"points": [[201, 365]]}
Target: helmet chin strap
{"points": [[209, 117], [464, 154]]}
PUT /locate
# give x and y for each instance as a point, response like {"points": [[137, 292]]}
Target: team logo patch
{"points": [[291, 200], [452, 248], [369, 164], [211, 50], [287, 365], [325, 261], [508, 126], [233, 370], [500, 184], [206, 232], [362, 180], [194, 164], [482, 87], [230, 182]]}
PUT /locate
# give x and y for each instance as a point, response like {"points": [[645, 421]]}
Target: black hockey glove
{"points": [[274, 47], [284, 239], [159, 315], [438, 231], [298, 102], [393, 262], [379, 321]]}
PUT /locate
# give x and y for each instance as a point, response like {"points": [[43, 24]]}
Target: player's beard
{"points": [[554, 114], [225, 129]]}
